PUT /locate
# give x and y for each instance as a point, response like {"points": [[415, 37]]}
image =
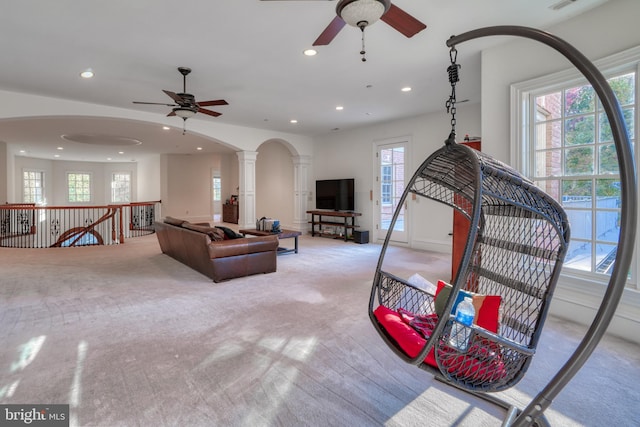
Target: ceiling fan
{"points": [[186, 105], [363, 13]]}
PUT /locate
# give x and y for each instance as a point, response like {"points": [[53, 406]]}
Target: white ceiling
{"points": [[248, 52]]}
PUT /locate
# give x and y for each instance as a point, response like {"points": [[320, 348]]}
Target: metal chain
{"points": [[452, 70]]}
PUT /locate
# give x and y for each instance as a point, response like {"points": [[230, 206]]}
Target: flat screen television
{"points": [[335, 194]]}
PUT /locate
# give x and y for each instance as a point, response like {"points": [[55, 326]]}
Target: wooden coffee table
{"points": [[284, 234]]}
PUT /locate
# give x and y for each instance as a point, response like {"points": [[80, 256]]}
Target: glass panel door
{"points": [[391, 181]]}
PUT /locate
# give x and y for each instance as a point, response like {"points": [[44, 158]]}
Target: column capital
{"points": [[247, 156], [301, 160]]}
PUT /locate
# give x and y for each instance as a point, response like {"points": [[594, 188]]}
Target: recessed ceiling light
{"points": [[199, 148], [339, 108], [108, 158], [406, 89], [56, 155], [310, 52], [60, 148], [166, 127], [87, 74], [294, 121], [22, 151], [120, 152]]}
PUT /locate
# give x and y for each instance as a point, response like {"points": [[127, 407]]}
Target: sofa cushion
{"points": [[229, 233], [214, 234], [174, 221], [244, 246]]}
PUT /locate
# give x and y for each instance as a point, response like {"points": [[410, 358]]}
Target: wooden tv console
{"points": [[346, 225]]}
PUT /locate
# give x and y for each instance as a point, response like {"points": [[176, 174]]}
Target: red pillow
{"points": [[474, 365]]}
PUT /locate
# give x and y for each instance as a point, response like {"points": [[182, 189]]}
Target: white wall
{"points": [[149, 180], [274, 183], [56, 178], [230, 175], [350, 154], [599, 33], [189, 186]]}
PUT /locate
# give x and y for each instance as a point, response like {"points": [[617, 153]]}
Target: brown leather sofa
{"points": [[201, 247]]}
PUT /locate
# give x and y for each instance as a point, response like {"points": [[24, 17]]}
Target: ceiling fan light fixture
{"points": [[361, 13], [184, 113]]}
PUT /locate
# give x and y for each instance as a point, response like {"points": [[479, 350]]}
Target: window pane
{"points": [[548, 135], [608, 193], [579, 255], [549, 106], [606, 135], [608, 226], [579, 161], [121, 187], [607, 159], [580, 130], [581, 223], [576, 190], [624, 88], [32, 187], [605, 258], [548, 163], [579, 100], [386, 183], [79, 187]]}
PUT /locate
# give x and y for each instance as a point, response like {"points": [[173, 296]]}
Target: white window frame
{"points": [[522, 130], [114, 185], [90, 186]]}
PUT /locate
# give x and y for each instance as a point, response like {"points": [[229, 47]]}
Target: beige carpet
{"points": [[129, 337]]}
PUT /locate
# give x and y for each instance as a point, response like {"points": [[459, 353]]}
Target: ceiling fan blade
{"points": [[209, 112], [173, 113], [402, 21], [154, 103], [330, 32], [210, 103], [174, 96]]}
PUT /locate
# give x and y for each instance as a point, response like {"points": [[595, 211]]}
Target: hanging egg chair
{"points": [[517, 240], [515, 247]]}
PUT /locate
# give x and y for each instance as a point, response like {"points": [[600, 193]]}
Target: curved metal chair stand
{"points": [[516, 244]]}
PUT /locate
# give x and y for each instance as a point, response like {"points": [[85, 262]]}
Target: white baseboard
{"points": [[442, 246]]}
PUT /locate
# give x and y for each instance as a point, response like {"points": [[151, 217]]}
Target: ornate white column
{"points": [[247, 191], [301, 191]]}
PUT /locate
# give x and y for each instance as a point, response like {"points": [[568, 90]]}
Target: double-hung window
{"points": [[78, 187], [33, 186], [120, 187], [566, 147]]}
